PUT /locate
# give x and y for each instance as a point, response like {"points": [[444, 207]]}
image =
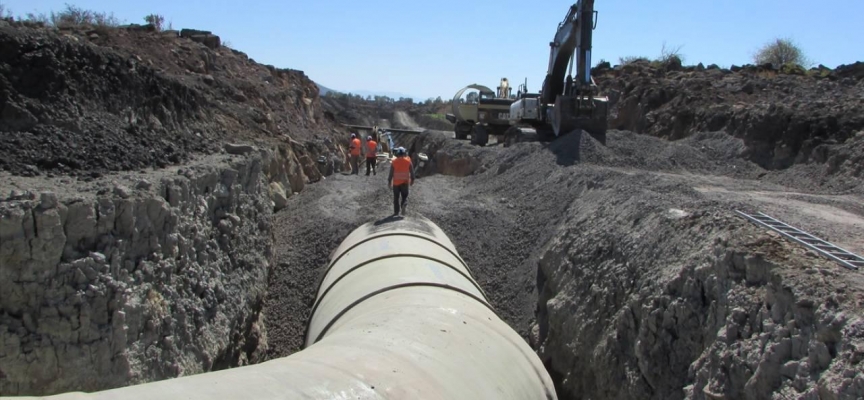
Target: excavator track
{"points": [[518, 134], [521, 134]]}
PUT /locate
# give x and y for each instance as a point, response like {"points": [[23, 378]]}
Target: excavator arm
{"points": [[567, 100], [572, 44]]}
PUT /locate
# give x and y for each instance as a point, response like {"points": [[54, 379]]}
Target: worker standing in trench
{"points": [[401, 177], [371, 155], [355, 154]]}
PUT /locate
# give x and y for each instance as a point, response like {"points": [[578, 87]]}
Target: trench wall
{"points": [[157, 276]]}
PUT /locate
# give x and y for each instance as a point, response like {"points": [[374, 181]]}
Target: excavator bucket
{"points": [[580, 112]]}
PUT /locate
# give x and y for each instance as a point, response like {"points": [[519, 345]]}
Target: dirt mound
{"points": [[84, 101], [446, 156], [854, 71], [835, 168], [710, 153], [783, 116]]}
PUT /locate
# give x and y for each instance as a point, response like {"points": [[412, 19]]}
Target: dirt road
{"points": [[402, 119]]}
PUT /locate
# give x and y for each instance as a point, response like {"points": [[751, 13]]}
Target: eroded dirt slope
{"points": [[128, 253]]}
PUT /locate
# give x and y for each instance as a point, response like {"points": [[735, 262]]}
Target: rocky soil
{"points": [[161, 276], [785, 116], [86, 101], [138, 174]]}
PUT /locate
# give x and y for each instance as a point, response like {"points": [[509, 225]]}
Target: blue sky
{"points": [[427, 49]]}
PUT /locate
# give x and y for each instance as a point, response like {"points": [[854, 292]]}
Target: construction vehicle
{"points": [[566, 102], [483, 113]]}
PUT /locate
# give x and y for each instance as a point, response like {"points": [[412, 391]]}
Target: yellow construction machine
{"points": [[482, 113]]}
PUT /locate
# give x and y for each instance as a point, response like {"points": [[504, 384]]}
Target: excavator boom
{"points": [[572, 44]]}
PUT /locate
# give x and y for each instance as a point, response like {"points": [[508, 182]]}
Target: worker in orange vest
{"points": [[401, 177], [355, 148], [371, 155]]}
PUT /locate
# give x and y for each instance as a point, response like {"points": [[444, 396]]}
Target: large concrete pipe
{"points": [[397, 316], [455, 104]]}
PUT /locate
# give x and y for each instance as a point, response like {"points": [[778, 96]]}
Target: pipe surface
{"points": [[397, 316]]}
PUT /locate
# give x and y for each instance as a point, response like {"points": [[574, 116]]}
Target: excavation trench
{"points": [[628, 283]]}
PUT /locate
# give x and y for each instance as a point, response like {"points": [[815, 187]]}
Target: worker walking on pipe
{"points": [[354, 149], [371, 155], [401, 177]]}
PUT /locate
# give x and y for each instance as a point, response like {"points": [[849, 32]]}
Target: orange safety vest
{"points": [[371, 148], [401, 170], [355, 147]]}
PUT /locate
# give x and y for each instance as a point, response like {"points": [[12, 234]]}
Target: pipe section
{"points": [[479, 88], [397, 316]]}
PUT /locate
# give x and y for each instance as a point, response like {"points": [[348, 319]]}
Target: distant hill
{"points": [[323, 90], [355, 110], [393, 95]]}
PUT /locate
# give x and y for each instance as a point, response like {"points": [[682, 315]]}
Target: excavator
{"points": [[566, 102]]}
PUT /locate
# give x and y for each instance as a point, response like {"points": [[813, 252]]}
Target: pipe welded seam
{"points": [[400, 286], [414, 255], [323, 294], [405, 234]]}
